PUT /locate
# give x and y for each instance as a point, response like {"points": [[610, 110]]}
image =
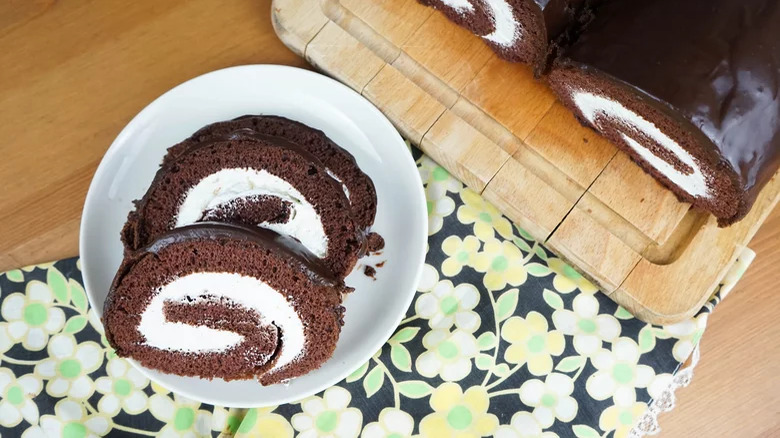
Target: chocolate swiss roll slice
{"points": [[339, 163], [690, 89], [224, 301], [254, 180], [517, 30]]}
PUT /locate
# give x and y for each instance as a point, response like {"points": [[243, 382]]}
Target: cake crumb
{"points": [[380, 264], [370, 271], [374, 243]]}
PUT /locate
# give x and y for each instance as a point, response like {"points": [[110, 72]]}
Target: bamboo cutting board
{"points": [[503, 134]]}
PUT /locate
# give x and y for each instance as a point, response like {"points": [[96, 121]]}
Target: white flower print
{"points": [[688, 333], [523, 425], [182, 416], [586, 325], [550, 399], [16, 398], [446, 305], [447, 355], [32, 316], [618, 373], [328, 416], [439, 206], [393, 423], [122, 389], [68, 367], [433, 174], [70, 420]]}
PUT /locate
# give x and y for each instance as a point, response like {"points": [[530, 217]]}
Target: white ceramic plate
{"points": [[374, 310]]}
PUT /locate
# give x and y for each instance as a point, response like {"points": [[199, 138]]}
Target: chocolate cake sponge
{"points": [[688, 89], [217, 300], [525, 31], [250, 179], [339, 162]]}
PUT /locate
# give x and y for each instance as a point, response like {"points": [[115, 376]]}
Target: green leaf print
{"points": [[400, 357], [17, 276], [58, 284], [538, 270], [77, 295], [502, 370], [571, 363], [646, 339], [540, 252], [622, 313], [75, 324], [405, 334], [374, 381], [524, 234], [522, 244], [552, 299], [484, 361], [506, 304], [487, 340], [415, 388], [358, 373], [583, 431]]}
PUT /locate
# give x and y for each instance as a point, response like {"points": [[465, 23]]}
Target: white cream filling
{"points": [[343, 186], [229, 184], [506, 28], [244, 291], [461, 6], [694, 183]]}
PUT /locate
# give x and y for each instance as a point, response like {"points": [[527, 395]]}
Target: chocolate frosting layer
{"points": [[286, 246], [714, 64]]}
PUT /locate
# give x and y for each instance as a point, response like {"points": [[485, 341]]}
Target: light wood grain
{"points": [[117, 56], [563, 184]]}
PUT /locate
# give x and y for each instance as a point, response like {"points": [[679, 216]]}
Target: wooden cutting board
{"points": [[503, 134]]}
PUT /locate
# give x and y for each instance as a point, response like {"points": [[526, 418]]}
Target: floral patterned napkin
{"points": [[503, 339]]}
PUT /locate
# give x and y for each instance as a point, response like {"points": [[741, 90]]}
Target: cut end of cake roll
{"points": [[663, 144], [526, 31], [222, 301]]}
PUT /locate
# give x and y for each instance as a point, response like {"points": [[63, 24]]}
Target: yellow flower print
{"points": [[460, 253], [459, 414], [531, 343], [485, 217], [263, 422], [567, 278], [502, 264], [621, 418]]}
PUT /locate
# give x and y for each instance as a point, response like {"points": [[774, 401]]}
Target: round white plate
{"points": [[374, 310]]}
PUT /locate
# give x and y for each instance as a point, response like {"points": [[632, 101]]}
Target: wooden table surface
{"points": [[73, 73]]}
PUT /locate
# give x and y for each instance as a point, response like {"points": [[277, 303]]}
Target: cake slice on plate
{"points": [[225, 301], [248, 178]]}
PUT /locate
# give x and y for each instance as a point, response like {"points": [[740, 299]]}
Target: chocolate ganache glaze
{"points": [[714, 64]]}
